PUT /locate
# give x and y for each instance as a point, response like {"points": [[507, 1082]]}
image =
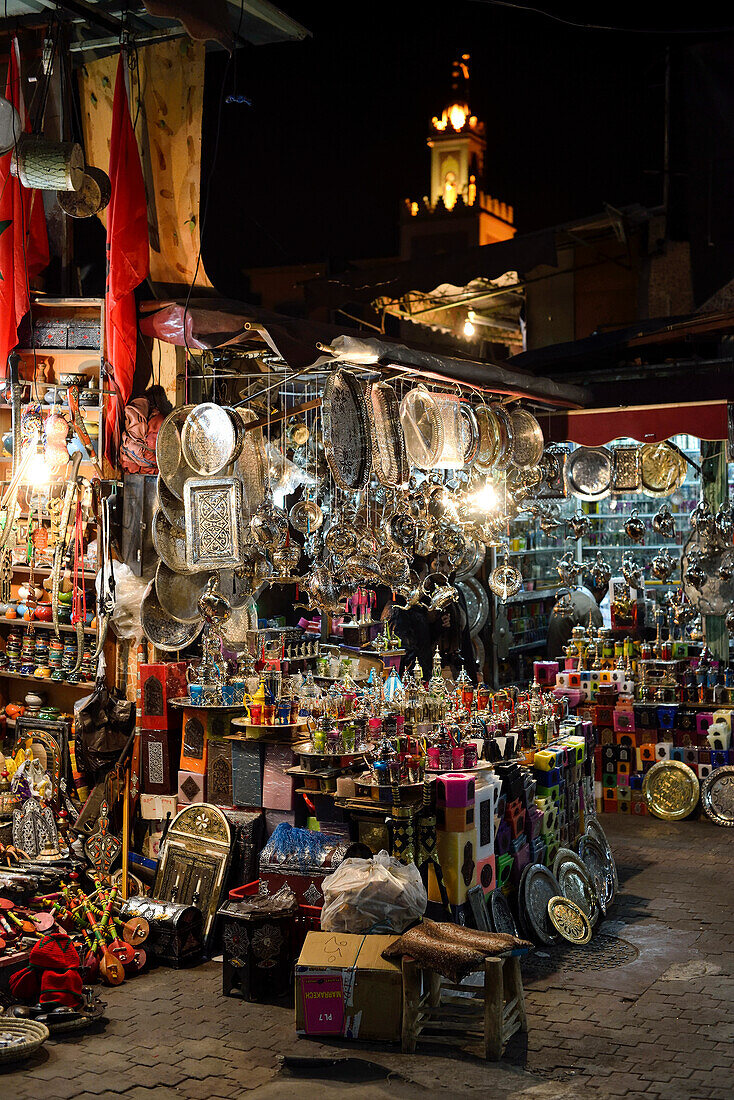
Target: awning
{"points": [[645, 423], [303, 344]]}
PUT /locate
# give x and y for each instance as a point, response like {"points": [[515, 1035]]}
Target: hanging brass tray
{"points": [[163, 631], [346, 431], [671, 790]]}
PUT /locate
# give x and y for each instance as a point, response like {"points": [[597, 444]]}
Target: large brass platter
{"points": [[671, 790], [568, 919], [160, 629], [717, 796], [663, 469], [527, 438]]}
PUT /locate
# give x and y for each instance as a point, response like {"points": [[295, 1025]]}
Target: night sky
{"points": [[317, 167]]}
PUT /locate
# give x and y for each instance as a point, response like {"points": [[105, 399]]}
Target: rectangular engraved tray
{"points": [[213, 516]]}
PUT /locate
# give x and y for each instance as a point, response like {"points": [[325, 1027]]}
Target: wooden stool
{"points": [[441, 1011]]}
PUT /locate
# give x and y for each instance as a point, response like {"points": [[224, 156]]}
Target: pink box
{"points": [[623, 720], [455, 789], [545, 671], [703, 721]]}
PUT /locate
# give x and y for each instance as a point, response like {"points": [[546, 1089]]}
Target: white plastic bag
{"points": [[362, 893], [129, 591]]}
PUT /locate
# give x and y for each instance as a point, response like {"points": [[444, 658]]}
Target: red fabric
{"points": [[63, 988], [127, 256], [24, 210], [54, 952], [24, 984]]}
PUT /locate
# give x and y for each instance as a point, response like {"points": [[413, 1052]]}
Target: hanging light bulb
{"points": [[469, 328]]}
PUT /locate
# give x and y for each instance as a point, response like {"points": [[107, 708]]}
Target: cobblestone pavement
{"points": [[653, 1016]]}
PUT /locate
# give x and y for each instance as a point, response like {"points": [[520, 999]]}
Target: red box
{"points": [[609, 806], [157, 686], [487, 874], [624, 720], [155, 761]]}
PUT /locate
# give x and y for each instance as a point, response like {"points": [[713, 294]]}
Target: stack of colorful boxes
{"points": [[640, 735], [466, 815]]}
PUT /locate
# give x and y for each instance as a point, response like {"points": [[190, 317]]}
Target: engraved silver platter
{"points": [[470, 433], [210, 439], [160, 629], [589, 473], [214, 516], [242, 621], [169, 541], [576, 885], [593, 828], [527, 438], [423, 428], [595, 860], [717, 796], [252, 463], [236, 586], [477, 602], [537, 886], [179, 594], [169, 503], [172, 466], [346, 431], [501, 914], [389, 457]]}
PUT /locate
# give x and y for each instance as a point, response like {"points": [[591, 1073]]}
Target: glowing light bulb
{"points": [[486, 499], [37, 472], [469, 328]]}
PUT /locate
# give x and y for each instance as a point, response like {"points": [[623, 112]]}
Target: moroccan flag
{"points": [[23, 236], [127, 257]]}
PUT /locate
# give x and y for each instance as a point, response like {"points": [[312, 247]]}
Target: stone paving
{"points": [[659, 1025]]}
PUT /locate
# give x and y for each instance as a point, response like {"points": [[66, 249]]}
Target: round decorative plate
{"points": [[178, 594], [389, 457], [160, 629], [469, 433], [505, 581], [717, 796], [663, 469], [252, 463], [568, 919], [504, 427], [169, 504], [589, 473], [671, 790], [172, 466], [242, 621], [209, 439], [477, 603], [501, 914], [489, 439], [169, 541], [576, 885], [595, 860], [422, 428], [346, 431], [527, 438], [537, 886], [593, 828]]}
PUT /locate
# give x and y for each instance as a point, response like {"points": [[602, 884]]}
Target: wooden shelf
{"points": [[39, 624], [84, 685], [46, 570]]}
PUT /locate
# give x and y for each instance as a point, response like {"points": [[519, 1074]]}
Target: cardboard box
{"points": [[344, 987]]}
